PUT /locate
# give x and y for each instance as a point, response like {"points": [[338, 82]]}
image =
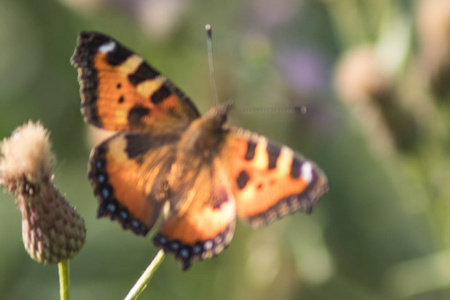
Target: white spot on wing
{"points": [[107, 47], [208, 245], [306, 170]]}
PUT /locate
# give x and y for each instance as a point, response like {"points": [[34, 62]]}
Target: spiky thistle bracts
{"points": [[52, 230]]}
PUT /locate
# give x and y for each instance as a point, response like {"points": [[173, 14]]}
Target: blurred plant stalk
{"points": [[142, 282], [399, 96], [433, 30]]}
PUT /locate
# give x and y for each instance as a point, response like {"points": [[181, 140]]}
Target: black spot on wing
{"points": [[273, 152], [118, 55], [137, 113], [121, 99], [161, 94], [242, 179], [87, 48], [137, 144], [295, 168], [191, 109], [140, 143], [220, 197], [250, 154], [143, 72]]}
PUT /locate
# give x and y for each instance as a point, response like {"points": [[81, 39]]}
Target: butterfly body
{"points": [[169, 162]]}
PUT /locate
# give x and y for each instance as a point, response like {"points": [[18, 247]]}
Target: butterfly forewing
{"points": [[120, 91], [270, 181]]}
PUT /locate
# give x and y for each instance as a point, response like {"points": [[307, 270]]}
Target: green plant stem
{"points": [[64, 280], [142, 282]]}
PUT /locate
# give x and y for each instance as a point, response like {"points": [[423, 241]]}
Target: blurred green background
{"points": [[373, 77]]}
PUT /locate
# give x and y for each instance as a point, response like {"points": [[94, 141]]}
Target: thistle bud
{"points": [[52, 230], [360, 77], [367, 89], [433, 28]]}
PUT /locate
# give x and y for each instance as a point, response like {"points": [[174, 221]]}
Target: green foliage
{"points": [[381, 231]]}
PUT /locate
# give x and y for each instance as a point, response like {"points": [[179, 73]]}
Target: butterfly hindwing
{"points": [[203, 225], [120, 91], [127, 172], [270, 181]]}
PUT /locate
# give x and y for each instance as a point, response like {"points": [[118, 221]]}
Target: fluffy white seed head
{"points": [[27, 152]]}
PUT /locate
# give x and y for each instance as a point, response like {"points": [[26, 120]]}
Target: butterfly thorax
{"points": [[199, 146], [204, 138]]}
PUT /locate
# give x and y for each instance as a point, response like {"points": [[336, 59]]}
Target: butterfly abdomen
{"points": [[204, 139]]}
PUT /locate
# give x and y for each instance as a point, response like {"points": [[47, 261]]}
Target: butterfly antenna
{"points": [[212, 79], [267, 110]]}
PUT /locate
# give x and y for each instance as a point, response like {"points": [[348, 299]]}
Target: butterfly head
{"points": [[217, 116], [206, 134]]}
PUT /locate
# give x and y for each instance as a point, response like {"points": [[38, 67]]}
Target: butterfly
{"points": [[167, 162]]}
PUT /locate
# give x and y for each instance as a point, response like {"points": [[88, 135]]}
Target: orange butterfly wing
{"points": [[203, 224], [270, 181], [127, 172], [120, 91], [204, 171]]}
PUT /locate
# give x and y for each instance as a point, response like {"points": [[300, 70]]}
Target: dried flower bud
{"points": [[433, 27], [369, 92], [52, 230], [359, 76]]}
